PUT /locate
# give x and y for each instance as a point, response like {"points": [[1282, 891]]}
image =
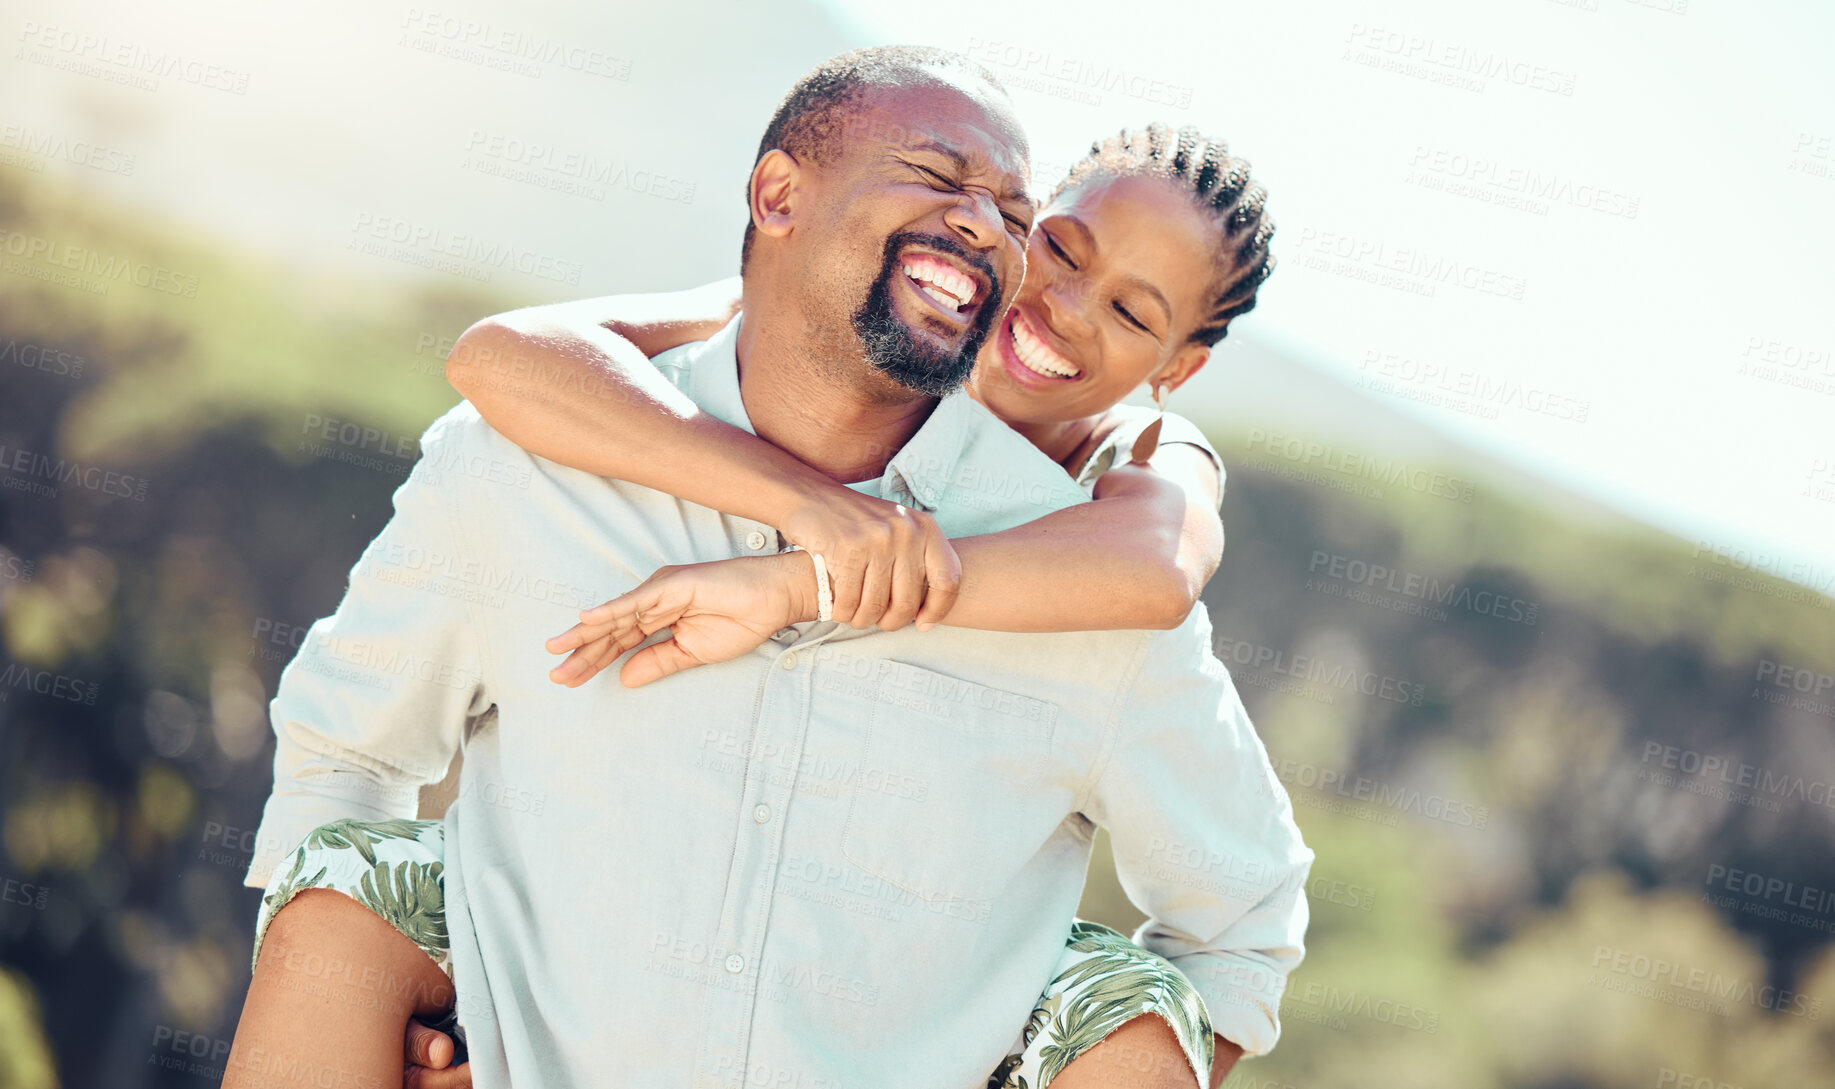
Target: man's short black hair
{"points": [[812, 120]]}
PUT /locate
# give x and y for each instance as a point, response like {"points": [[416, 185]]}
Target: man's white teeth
{"points": [[941, 296], [1037, 355], [945, 285]]}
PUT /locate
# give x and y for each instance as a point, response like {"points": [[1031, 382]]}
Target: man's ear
{"points": [[775, 193], [1187, 361]]}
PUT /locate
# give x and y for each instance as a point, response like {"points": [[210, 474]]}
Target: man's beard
{"points": [[911, 361]]}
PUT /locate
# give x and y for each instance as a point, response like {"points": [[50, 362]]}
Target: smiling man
{"points": [[844, 858]]}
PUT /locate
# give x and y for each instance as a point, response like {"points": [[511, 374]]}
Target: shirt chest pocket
{"points": [[953, 793]]}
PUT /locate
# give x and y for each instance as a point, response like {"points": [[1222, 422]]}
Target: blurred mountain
{"points": [[1494, 705]]}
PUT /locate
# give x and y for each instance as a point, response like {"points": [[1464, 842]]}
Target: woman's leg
{"points": [[350, 944], [331, 997], [1113, 1015]]}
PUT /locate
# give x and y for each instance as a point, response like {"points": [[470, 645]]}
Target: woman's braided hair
{"points": [[1219, 183]]}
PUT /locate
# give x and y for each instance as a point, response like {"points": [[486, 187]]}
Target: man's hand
{"points": [[888, 565], [715, 611], [427, 1051]]}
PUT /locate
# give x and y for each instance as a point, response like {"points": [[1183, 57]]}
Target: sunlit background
{"points": [[1550, 335]]}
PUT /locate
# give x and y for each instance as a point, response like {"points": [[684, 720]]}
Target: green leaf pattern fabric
{"points": [[1104, 980], [396, 868]]}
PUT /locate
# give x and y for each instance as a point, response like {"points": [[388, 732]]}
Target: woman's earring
{"points": [[1149, 438]]}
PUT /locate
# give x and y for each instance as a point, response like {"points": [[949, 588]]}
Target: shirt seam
{"points": [[1112, 728], [474, 622]]}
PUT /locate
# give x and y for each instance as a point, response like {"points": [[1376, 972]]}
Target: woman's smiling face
{"points": [[1119, 272]]}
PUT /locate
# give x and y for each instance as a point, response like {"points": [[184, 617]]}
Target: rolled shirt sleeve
{"points": [[1204, 837], [1118, 446], [374, 705]]}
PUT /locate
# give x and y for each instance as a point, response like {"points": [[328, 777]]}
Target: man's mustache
{"points": [[945, 244]]}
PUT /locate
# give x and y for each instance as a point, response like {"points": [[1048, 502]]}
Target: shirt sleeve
{"points": [[375, 703], [1204, 837], [1179, 429], [1118, 446]]}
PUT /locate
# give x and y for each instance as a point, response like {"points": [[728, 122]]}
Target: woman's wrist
{"points": [[798, 570]]}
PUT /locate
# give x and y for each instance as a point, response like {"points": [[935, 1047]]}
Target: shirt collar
{"points": [[917, 476], [711, 376], [921, 472]]}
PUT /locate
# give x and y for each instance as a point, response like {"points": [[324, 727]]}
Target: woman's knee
{"points": [[322, 940], [1141, 1053]]}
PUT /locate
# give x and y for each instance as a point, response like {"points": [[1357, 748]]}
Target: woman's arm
{"points": [[1138, 557], [572, 383]]}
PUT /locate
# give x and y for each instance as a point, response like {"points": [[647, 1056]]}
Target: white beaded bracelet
{"points": [[825, 594]]}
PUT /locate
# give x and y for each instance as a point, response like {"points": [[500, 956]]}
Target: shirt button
{"points": [[735, 963], [789, 661], [755, 540], [761, 814]]}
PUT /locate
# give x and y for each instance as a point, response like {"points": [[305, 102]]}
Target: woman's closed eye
{"points": [[1058, 252], [1129, 318]]}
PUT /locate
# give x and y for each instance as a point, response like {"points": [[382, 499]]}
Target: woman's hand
{"points": [[888, 565], [716, 611], [427, 1056]]}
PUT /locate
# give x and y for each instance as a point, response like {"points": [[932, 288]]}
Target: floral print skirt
{"points": [[1102, 980]]}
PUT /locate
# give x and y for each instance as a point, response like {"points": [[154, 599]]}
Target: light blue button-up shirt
{"points": [[844, 859]]}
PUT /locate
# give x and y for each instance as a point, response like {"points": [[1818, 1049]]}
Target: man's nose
{"points": [[976, 218]]}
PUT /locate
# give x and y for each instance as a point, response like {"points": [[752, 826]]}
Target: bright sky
{"points": [[1394, 138], [1532, 209]]}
